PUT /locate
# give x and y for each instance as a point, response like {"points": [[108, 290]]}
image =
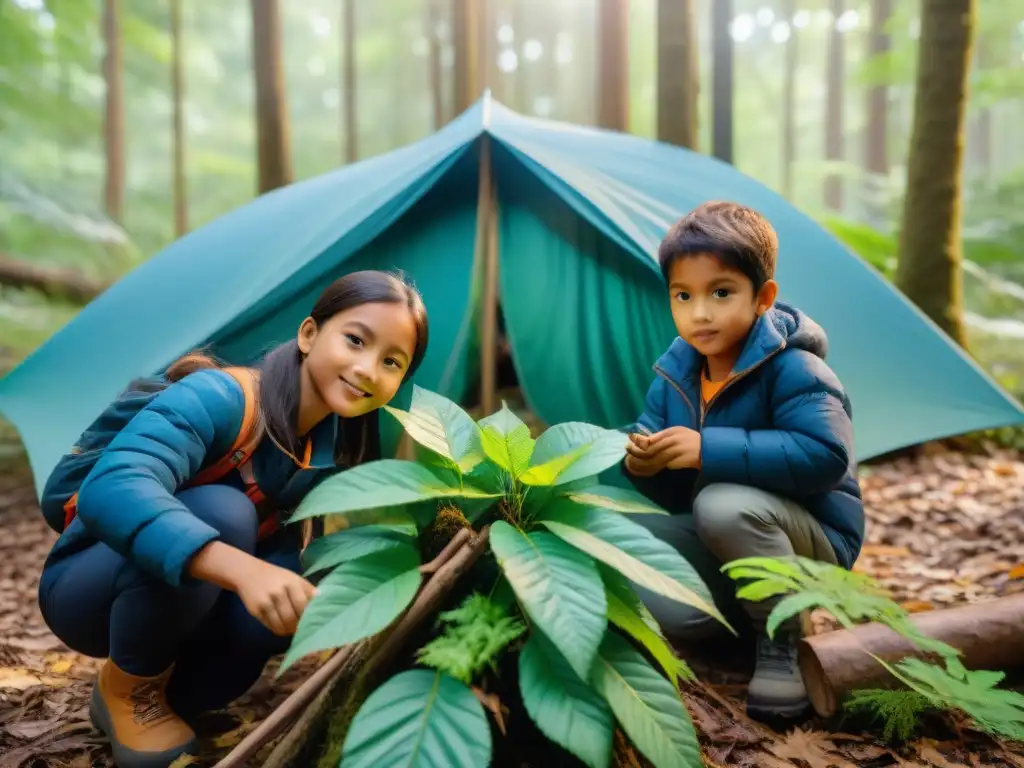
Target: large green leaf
{"points": [[630, 549], [628, 613], [419, 719], [616, 499], [357, 599], [549, 472], [646, 705], [379, 485], [506, 440], [437, 423], [490, 477], [605, 448], [559, 588], [565, 709], [352, 544]]}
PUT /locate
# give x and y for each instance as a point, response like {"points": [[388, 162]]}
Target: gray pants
{"points": [[729, 522]]}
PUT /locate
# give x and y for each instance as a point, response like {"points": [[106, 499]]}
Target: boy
{"points": [[748, 431]]}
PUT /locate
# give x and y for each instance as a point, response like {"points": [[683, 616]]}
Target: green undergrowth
{"points": [[548, 624], [933, 680]]}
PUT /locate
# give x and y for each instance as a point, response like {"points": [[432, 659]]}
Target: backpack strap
{"points": [[249, 434]]}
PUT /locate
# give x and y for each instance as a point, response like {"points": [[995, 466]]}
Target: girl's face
{"points": [[356, 360]]}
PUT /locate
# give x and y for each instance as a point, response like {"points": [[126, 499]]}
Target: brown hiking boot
{"points": [[133, 712]]}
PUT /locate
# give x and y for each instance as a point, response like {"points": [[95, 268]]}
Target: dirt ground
{"points": [[944, 528]]}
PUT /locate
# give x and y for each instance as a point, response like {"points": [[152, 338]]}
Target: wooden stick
{"points": [[433, 593], [442, 573], [487, 250], [989, 635]]}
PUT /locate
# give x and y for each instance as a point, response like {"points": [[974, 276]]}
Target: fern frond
{"points": [[805, 584], [476, 633], [900, 711], [997, 711]]}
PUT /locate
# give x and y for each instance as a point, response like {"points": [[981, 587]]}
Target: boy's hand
{"points": [[674, 448], [639, 460]]}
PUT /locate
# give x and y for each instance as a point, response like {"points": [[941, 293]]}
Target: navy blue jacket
{"points": [[128, 502], [782, 424]]}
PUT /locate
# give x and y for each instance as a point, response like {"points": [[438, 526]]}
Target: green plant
{"points": [[852, 597], [565, 553], [900, 711]]}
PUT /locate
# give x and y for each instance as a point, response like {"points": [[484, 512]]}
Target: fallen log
{"points": [[52, 281], [989, 635], [303, 710]]}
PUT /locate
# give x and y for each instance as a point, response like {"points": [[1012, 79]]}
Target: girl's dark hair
{"points": [[358, 438]]}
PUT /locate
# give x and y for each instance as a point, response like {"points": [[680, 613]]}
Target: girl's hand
{"points": [[275, 596]]}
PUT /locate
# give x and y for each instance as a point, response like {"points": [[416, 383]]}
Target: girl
{"points": [[172, 585]]}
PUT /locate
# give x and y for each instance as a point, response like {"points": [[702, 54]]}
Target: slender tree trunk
{"points": [[929, 271], [834, 108], [349, 119], [792, 61], [436, 83], [721, 80], [678, 72], [876, 132], [521, 83], [486, 18], [465, 31], [613, 65], [178, 97], [113, 127], [272, 131]]}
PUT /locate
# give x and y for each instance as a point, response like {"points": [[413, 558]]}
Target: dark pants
{"points": [[101, 605]]}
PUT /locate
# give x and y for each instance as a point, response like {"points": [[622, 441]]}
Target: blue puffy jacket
{"points": [[128, 502], [782, 424]]}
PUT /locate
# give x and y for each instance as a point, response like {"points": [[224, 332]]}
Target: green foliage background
{"points": [[52, 92]]}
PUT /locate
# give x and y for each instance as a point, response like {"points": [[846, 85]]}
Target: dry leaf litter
{"points": [[944, 528]]}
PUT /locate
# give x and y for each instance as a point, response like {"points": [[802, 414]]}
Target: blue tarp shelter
{"points": [[579, 214]]}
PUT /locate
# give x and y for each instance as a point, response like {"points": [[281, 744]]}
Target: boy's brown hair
{"points": [[738, 235]]}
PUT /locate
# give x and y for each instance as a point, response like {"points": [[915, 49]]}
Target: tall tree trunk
{"points": [[272, 133], [436, 83], [486, 18], [792, 62], [349, 120], [613, 65], [178, 97], [521, 90], [113, 126], [465, 33], [721, 80], [876, 132], [678, 72], [834, 92], [929, 270]]}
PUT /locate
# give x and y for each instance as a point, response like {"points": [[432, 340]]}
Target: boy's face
{"points": [[714, 305]]}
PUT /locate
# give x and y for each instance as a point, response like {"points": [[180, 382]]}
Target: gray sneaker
{"points": [[777, 689]]}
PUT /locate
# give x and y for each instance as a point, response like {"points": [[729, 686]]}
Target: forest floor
{"points": [[944, 528]]}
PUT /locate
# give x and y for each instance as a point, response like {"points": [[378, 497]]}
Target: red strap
{"points": [[249, 435]]}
